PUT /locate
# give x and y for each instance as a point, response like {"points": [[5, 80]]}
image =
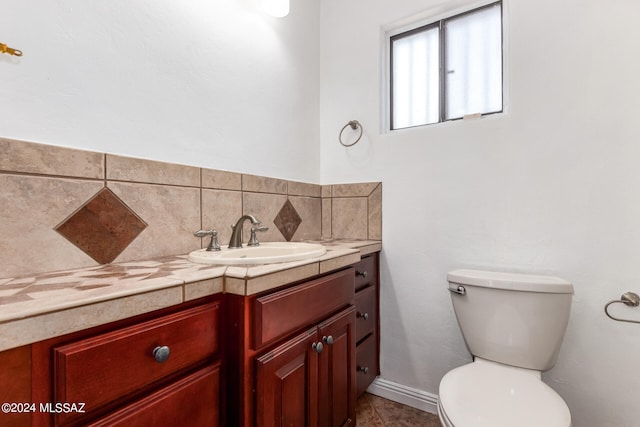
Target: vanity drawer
{"points": [[366, 363], [280, 313], [365, 312], [366, 272], [107, 367], [186, 402]]}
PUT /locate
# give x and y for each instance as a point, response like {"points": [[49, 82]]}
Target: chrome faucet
{"points": [[236, 235]]}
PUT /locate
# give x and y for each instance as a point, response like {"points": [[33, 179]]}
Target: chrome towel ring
{"points": [[628, 298], [354, 124]]}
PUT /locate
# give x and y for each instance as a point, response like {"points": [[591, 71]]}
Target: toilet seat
{"points": [[489, 394]]}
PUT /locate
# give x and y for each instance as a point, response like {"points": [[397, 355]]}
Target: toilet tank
{"points": [[515, 319]]}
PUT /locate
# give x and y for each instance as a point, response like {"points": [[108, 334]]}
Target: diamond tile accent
{"points": [[103, 227], [287, 220]]}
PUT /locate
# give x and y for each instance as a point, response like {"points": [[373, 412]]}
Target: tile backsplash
{"points": [[64, 208]]}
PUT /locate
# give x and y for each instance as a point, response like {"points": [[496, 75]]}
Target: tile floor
{"points": [[374, 411]]}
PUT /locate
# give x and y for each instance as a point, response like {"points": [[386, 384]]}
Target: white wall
{"points": [[212, 83], [550, 186]]}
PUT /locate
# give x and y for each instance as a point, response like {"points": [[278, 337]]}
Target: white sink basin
{"points": [[266, 253]]}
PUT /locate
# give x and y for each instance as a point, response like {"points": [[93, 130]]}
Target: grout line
{"points": [[201, 210], [47, 175]]}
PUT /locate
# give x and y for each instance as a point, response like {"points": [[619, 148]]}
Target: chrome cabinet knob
{"points": [[317, 346], [161, 353], [363, 369], [364, 316], [362, 274], [327, 340]]}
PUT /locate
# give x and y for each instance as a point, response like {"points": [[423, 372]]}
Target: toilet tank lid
{"points": [[511, 281]]}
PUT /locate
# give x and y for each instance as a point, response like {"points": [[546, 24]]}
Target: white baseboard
{"points": [[406, 395]]}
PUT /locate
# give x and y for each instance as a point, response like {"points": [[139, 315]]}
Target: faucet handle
{"points": [[213, 244], [253, 240], [258, 227]]}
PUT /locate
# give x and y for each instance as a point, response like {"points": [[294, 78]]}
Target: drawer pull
{"points": [[161, 353], [317, 346], [363, 369], [364, 316], [327, 340], [362, 274]]}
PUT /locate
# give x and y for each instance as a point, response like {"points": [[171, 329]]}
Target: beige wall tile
{"points": [[362, 189], [349, 218], [121, 168], [221, 180], [220, 209], [304, 189], [262, 184], [326, 218], [172, 215], [27, 157], [310, 210], [31, 207], [264, 207], [375, 213]]}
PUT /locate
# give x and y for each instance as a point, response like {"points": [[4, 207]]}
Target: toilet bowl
{"points": [[488, 394], [513, 325]]}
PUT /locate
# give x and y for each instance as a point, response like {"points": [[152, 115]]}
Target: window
{"points": [[448, 69]]}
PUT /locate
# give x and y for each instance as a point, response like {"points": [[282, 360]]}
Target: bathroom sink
{"points": [[266, 253]]}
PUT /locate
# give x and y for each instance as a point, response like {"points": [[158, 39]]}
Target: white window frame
{"points": [[423, 19]]}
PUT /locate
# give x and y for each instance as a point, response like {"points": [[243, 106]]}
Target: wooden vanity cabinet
{"points": [[309, 380], [123, 377], [295, 351], [15, 385], [367, 282]]}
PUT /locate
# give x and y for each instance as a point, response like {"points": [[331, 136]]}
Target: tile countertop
{"points": [[36, 308]]}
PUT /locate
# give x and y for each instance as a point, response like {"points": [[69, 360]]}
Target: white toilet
{"points": [[513, 325]]}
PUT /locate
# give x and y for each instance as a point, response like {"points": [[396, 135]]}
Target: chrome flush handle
{"points": [[460, 290]]}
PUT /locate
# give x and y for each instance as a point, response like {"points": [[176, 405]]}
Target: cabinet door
{"points": [[336, 373], [286, 383]]}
